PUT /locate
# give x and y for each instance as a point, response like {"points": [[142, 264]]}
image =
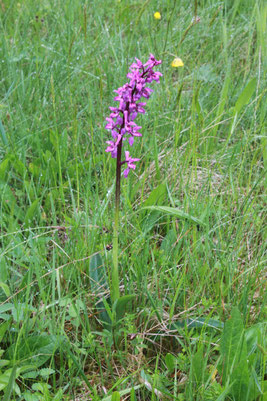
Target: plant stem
{"points": [[115, 273]]}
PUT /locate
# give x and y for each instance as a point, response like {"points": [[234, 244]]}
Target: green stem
{"points": [[115, 272]]}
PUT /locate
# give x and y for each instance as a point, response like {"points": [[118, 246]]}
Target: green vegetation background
{"points": [[203, 151]]}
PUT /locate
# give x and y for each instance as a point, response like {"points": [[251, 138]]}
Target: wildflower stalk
{"points": [[115, 270], [121, 124]]}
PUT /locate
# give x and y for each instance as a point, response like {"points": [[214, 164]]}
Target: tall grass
{"points": [[203, 151]]}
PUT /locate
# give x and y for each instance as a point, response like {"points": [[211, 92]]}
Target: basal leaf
{"points": [[198, 367], [121, 304], [98, 280], [196, 323], [234, 354], [201, 321], [99, 284], [36, 349]]}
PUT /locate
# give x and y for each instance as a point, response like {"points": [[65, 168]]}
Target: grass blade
{"points": [[175, 212], [3, 134], [245, 96]]}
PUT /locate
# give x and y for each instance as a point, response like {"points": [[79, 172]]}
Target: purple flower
{"points": [[112, 148], [121, 119], [130, 163]]}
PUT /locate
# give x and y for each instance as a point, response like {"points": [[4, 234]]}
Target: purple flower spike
{"points": [[120, 121]]}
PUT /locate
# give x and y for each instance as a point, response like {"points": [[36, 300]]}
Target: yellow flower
{"points": [[177, 62], [157, 15]]}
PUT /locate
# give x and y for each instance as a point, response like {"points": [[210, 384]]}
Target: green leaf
{"points": [[198, 367], [45, 372], [5, 288], [30, 375], [4, 362], [32, 397], [58, 396], [36, 349], [3, 134], [73, 312], [80, 370], [175, 212], [196, 323], [133, 398], [4, 168], [42, 387], [245, 95], [98, 280], [121, 303], [201, 321], [3, 328], [99, 284], [264, 389], [9, 388], [155, 308], [20, 310], [255, 336], [154, 384], [108, 309], [234, 355], [170, 361], [168, 242], [17, 164], [177, 291], [123, 392], [231, 338], [115, 396], [64, 301], [157, 196], [31, 212], [4, 379], [5, 308]]}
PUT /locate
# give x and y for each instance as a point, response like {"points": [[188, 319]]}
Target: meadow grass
{"points": [[203, 151]]}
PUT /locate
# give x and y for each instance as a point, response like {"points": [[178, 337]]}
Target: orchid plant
{"points": [[123, 129]]}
